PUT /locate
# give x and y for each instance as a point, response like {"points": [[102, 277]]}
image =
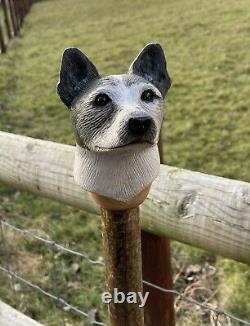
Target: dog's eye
{"points": [[102, 100], [148, 96]]}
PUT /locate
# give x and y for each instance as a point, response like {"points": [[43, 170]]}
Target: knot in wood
{"points": [[185, 206]]}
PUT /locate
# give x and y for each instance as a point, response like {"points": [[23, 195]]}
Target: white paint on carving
{"points": [[118, 174], [128, 103]]}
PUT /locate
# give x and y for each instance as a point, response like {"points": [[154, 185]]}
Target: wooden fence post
{"points": [[7, 17], [122, 256], [2, 41], [13, 17], [17, 14], [156, 268]]}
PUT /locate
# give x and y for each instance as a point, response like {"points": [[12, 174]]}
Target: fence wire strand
{"points": [[61, 302], [54, 245], [68, 307], [218, 310]]}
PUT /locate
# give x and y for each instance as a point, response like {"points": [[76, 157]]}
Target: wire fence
{"points": [[60, 302], [216, 312]]}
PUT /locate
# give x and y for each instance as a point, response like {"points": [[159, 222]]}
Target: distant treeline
{"points": [[12, 13]]}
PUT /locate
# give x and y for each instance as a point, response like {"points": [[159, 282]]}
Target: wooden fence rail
{"points": [[10, 317], [205, 211], [13, 13]]}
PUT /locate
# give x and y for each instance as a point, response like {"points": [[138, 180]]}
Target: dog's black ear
{"points": [[151, 65], [77, 71]]}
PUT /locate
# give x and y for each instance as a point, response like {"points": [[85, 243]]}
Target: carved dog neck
{"points": [[118, 175]]}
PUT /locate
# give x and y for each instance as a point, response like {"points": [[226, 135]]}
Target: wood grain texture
{"points": [[11, 317], [202, 210], [112, 204], [122, 255]]}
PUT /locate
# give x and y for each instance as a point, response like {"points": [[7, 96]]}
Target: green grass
{"points": [[206, 127]]}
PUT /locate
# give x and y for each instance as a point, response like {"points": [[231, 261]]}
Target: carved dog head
{"points": [[118, 112]]}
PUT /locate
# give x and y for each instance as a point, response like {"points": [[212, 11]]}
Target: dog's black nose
{"points": [[139, 125]]}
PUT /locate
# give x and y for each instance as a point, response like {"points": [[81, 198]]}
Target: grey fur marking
{"points": [[111, 158], [99, 128]]}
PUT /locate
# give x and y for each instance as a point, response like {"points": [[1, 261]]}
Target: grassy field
{"points": [[206, 129]]}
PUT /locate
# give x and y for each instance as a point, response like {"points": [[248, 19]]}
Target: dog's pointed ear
{"points": [[151, 65], [77, 71]]}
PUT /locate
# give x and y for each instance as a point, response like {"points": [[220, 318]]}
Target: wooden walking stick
{"points": [[122, 256], [117, 121]]}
